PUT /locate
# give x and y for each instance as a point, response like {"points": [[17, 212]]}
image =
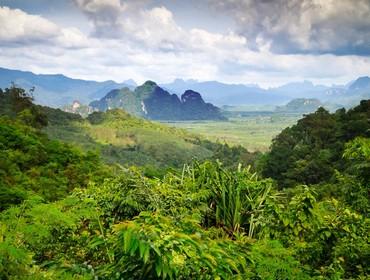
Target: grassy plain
{"points": [[254, 130]]}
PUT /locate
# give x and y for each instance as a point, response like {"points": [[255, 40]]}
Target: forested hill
{"points": [[152, 102], [31, 163], [311, 151], [67, 214], [122, 138]]}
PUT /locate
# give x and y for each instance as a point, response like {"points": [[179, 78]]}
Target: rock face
{"points": [[77, 108], [152, 102]]}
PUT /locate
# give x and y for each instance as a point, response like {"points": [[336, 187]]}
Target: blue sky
{"points": [[268, 42]]}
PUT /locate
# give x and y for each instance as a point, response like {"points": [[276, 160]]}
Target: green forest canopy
{"points": [[67, 214]]}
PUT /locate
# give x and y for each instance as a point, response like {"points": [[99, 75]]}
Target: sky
{"points": [[265, 42]]}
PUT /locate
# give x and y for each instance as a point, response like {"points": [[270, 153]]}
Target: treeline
{"points": [[310, 151], [203, 221], [329, 152]]}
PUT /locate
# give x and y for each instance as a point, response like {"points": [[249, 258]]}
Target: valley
{"points": [[114, 195], [254, 130], [181, 140]]}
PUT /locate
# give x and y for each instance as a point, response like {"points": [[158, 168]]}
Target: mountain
{"points": [[362, 83], [352, 94], [305, 89], [238, 94], [58, 90], [300, 105], [153, 102], [227, 94]]}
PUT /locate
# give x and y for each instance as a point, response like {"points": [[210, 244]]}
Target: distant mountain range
{"points": [[58, 90], [227, 94], [152, 102], [238, 94]]}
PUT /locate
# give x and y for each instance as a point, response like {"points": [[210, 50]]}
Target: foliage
{"points": [[165, 248], [181, 227], [332, 239], [122, 138], [16, 102], [310, 151], [236, 198], [271, 260], [32, 163], [64, 216]]}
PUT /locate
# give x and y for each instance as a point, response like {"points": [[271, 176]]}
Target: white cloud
{"points": [[18, 26], [72, 38], [100, 6], [296, 26], [131, 40]]}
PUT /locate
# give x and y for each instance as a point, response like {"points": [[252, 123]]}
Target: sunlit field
{"points": [[254, 132]]}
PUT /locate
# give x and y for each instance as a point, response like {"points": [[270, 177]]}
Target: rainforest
{"points": [[184, 139], [78, 211]]}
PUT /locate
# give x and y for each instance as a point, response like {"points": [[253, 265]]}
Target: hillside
{"points": [[122, 138], [362, 83], [310, 152], [152, 102], [300, 105]]}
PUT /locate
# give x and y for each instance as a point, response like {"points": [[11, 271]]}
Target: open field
{"points": [[254, 131]]}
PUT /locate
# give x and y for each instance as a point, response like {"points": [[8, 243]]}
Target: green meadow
{"points": [[253, 131]]}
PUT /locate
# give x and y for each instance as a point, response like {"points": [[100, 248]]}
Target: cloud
{"points": [[72, 38], [132, 21], [105, 15], [19, 27], [297, 26], [151, 28], [132, 39]]}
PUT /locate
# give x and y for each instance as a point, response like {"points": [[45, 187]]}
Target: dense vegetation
{"points": [[122, 138], [204, 221], [32, 163], [311, 151]]}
